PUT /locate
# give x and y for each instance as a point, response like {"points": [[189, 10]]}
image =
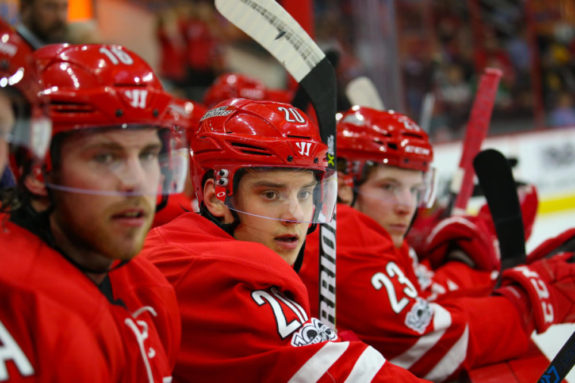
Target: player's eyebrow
{"points": [[277, 185]]}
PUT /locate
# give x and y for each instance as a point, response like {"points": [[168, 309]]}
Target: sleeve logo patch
{"points": [[419, 317], [313, 332]]}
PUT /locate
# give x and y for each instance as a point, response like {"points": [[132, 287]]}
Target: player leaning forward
{"points": [[84, 214], [261, 175], [383, 296]]}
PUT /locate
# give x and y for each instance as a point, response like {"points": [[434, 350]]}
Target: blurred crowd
{"points": [[441, 49]]}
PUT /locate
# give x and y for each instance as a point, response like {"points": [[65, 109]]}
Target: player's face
{"points": [[118, 173], [6, 124], [275, 208], [389, 196], [48, 19]]}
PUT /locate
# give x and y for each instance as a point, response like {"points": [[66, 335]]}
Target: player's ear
{"points": [[344, 188], [34, 182], [215, 206]]}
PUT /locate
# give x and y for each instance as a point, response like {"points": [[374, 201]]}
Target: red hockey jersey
{"points": [[135, 338], [245, 314], [378, 297]]}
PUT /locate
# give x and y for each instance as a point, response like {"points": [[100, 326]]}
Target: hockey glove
{"points": [[528, 200], [547, 286], [424, 221], [559, 244], [463, 238]]}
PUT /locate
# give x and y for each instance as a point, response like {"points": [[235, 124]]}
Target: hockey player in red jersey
{"points": [[382, 294], [260, 171], [23, 121], [187, 115], [24, 124], [83, 216]]}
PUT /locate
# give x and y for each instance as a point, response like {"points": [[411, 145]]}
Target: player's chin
{"points": [[127, 251], [289, 254], [398, 240], [127, 247]]}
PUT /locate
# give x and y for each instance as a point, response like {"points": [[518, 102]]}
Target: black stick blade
{"points": [[498, 185]]}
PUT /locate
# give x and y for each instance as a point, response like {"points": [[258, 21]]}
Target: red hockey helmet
{"points": [[187, 115], [24, 120], [367, 136], [243, 134], [234, 85], [92, 88]]}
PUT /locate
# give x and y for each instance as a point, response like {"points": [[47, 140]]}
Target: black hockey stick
{"points": [[496, 180], [301, 99], [498, 185], [275, 29], [561, 364]]}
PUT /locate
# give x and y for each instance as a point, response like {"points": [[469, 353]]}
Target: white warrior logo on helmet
{"points": [[409, 125], [138, 98], [304, 148]]}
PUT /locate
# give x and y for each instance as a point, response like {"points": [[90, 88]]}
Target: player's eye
{"points": [[150, 154], [304, 195], [388, 187], [104, 158], [270, 195]]}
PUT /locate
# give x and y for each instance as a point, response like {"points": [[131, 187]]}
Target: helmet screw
{"points": [[119, 112], [315, 160], [155, 112], [290, 158]]}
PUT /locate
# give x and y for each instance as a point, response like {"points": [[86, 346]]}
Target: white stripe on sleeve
{"points": [[366, 367], [452, 360], [441, 322], [317, 365]]}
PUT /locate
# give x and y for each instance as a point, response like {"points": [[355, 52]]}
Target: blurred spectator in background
{"points": [[418, 67], [202, 51], [492, 54], [172, 49], [558, 66], [564, 113], [43, 21], [84, 32], [454, 97]]}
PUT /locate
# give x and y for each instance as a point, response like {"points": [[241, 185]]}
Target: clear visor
{"points": [[287, 195], [33, 135], [126, 160], [19, 129], [411, 193]]}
